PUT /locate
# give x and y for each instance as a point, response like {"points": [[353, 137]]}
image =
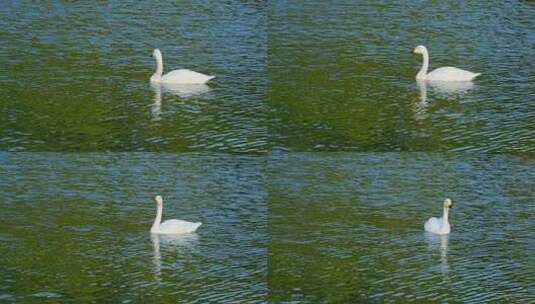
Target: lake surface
{"points": [[313, 158], [342, 76], [348, 228], [75, 76], [302, 227], [75, 228]]}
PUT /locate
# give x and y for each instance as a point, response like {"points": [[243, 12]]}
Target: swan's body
{"points": [[441, 74], [437, 226], [440, 225], [170, 226], [182, 76]]}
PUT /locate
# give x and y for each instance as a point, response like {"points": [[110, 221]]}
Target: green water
{"points": [[342, 76], [312, 159], [75, 76], [348, 228], [75, 228]]}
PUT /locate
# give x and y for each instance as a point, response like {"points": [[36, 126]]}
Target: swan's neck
{"points": [[445, 218], [423, 70], [156, 225], [157, 76]]}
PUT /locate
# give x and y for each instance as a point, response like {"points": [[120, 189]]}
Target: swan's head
{"points": [[420, 50], [156, 53], [448, 203], [159, 200]]}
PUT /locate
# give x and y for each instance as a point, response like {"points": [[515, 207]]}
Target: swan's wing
{"points": [[433, 225], [451, 74], [178, 227], [185, 76]]}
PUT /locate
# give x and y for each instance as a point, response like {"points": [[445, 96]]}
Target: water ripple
{"points": [[76, 77], [344, 79], [82, 231], [349, 227]]}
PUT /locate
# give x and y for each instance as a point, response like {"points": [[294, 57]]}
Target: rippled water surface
{"points": [[314, 125], [342, 76], [75, 228], [75, 76], [348, 228]]}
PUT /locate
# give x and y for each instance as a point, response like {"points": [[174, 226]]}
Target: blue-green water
{"points": [[348, 228], [75, 76], [75, 228], [313, 158], [301, 227], [342, 76]]}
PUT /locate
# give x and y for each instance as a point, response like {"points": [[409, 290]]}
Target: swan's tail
{"points": [[196, 226]]}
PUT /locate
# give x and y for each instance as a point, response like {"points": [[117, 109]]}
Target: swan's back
{"points": [[178, 227], [451, 74], [185, 76]]}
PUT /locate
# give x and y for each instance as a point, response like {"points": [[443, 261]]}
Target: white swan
{"points": [[182, 76], [440, 225], [441, 74], [170, 226]]}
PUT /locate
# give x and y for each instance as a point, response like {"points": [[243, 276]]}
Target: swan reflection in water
{"points": [[442, 88], [182, 244], [180, 90], [439, 242], [420, 107]]}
